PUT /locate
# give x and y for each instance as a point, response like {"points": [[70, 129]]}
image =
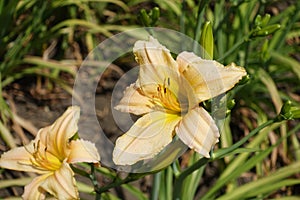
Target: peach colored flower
{"points": [[167, 94], [50, 155]]}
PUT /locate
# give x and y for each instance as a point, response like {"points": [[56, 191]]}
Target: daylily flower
{"points": [[50, 155], [167, 94]]}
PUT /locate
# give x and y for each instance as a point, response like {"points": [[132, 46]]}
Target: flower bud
{"points": [[144, 18], [265, 20], [244, 80], [266, 31], [230, 104], [285, 112], [207, 41], [155, 13]]}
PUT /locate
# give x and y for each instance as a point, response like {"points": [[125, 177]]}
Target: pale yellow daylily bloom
{"points": [[167, 94], [50, 155]]}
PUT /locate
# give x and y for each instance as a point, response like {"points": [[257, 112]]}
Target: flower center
{"points": [[42, 159], [165, 98]]}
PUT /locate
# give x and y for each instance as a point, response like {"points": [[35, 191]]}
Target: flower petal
{"points": [[198, 131], [157, 67], [61, 184], [152, 53], [83, 151], [134, 102], [146, 138], [33, 191], [20, 159], [56, 136], [208, 78]]}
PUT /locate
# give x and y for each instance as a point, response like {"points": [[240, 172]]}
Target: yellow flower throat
{"points": [[165, 98], [43, 159]]}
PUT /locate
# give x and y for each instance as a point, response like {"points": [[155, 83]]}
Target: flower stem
{"points": [[118, 181], [179, 180], [222, 152], [93, 178], [156, 186], [235, 46]]}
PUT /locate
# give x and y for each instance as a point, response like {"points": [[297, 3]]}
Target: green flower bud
{"points": [[272, 28], [155, 13], [207, 41], [144, 18], [265, 55], [244, 80], [266, 31], [285, 112], [230, 104], [296, 113], [265, 20], [257, 21], [286, 108]]}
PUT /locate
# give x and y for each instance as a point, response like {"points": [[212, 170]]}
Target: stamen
{"points": [[38, 145], [28, 151], [165, 99]]}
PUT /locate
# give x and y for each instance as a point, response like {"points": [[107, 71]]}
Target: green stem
{"points": [[93, 178], [156, 186], [222, 152], [169, 182], [118, 182], [236, 46], [179, 180]]}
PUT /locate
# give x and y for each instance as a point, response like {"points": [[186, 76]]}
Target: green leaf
{"points": [[266, 184], [236, 151], [51, 64], [7, 136], [134, 191], [239, 164], [284, 60], [191, 183]]}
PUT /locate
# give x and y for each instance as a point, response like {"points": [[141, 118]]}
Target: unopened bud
{"points": [[265, 20], [207, 41], [266, 31], [285, 112], [244, 80], [230, 104], [155, 13], [144, 18]]}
